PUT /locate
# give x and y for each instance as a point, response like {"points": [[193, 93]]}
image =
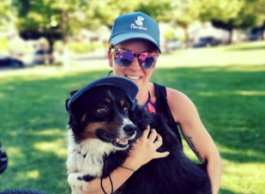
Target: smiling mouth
{"points": [[133, 77], [119, 143]]}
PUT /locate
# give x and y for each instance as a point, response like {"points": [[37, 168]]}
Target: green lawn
{"points": [[227, 85]]}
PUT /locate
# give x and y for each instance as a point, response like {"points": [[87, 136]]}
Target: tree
{"points": [[47, 17], [184, 13], [56, 19], [159, 10], [231, 14], [6, 12], [106, 11]]}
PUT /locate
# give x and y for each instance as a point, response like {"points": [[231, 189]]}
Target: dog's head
{"points": [[103, 112]]}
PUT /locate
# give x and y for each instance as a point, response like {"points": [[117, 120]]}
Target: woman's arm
{"points": [[144, 150], [198, 138]]}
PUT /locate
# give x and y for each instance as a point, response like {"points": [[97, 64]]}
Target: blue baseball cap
{"points": [[128, 86], [135, 25]]}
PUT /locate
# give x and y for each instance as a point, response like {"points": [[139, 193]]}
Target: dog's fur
{"points": [[101, 116]]}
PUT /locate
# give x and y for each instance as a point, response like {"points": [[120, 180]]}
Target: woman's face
{"points": [[134, 72]]}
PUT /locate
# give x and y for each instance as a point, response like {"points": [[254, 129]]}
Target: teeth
{"points": [[122, 141], [133, 77]]}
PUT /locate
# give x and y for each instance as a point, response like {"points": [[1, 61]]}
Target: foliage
{"points": [[61, 18], [169, 34], [45, 15], [106, 11], [185, 12], [230, 14], [223, 10], [69, 16], [239, 14], [6, 13], [251, 15], [159, 10]]}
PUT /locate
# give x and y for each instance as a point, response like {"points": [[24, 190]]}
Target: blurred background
{"points": [[212, 50], [41, 32]]}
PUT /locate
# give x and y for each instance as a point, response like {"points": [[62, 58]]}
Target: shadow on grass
{"points": [[33, 127], [225, 191]]}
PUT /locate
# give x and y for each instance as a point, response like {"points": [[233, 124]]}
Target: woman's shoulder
{"points": [[173, 95], [179, 103]]}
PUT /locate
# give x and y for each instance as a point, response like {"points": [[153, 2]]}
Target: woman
{"points": [[134, 50]]}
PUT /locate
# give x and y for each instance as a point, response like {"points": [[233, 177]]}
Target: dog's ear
{"points": [[140, 117], [73, 92], [66, 102]]}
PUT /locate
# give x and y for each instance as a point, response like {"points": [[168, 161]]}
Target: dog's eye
{"points": [[102, 110], [125, 109]]}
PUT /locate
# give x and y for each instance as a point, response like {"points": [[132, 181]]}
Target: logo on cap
{"points": [[139, 23]]}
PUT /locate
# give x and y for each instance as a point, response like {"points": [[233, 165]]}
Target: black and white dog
{"points": [[104, 122]]}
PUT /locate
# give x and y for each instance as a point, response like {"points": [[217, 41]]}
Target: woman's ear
{"points": [[110, 58]]}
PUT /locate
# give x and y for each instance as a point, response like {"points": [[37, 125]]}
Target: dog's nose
{"points": [[129, 128]]}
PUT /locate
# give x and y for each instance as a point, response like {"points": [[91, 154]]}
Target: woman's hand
{"points": [[144, 150]]}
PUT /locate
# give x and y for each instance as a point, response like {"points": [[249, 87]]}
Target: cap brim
{"points": [[128, 36], [128, 86]]}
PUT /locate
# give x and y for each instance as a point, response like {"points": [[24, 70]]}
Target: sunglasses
{"points": [[124, 58]]}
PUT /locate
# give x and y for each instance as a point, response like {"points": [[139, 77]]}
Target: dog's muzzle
{"points": [[129, 133]]}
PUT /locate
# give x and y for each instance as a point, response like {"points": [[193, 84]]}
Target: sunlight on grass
{"points": [[46, 72], [13, 151], [50, 132], [189, 153], [255, 68], [217, 56], [57, 147], [243, 178], [250, 93], [240, 93], [34, 174]]}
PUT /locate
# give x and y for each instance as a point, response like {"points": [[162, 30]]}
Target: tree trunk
{"points": [[262, 32], [187, 37], [65, 49], [230, 38]]}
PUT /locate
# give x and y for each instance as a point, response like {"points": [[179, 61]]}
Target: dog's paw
{"points": [[77, 184]]}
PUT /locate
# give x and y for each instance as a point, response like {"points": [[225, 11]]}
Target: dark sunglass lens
{"points": [[124, 59], [149, 62]]}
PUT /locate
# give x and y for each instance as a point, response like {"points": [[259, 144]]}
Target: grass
{"points": [[228, 93]]}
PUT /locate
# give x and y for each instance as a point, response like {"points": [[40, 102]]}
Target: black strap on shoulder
{"points": [[163, 109]]}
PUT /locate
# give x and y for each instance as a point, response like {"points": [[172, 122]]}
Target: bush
{"points": [[3, 44]]}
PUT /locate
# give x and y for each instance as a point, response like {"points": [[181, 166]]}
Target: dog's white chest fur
{"points": [[86, 157]]}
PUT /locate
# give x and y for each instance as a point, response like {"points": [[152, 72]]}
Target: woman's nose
{"points": [[135, 64]]}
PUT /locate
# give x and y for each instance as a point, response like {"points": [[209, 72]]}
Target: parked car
{"points": [[206, 42], [7, 60], [255, 34]]}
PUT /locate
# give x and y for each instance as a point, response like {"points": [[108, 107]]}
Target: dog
{"points": [[104, 123]]}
